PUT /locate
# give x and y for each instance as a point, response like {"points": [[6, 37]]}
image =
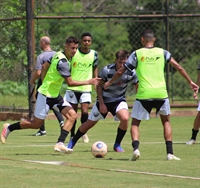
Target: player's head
{"points": [[71, 45], [147, 36], [86, 41], [44, 42], [121, 57]]}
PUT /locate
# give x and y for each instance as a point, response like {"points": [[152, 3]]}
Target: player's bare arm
{"points": [[119, 72], [102, 106], [95, 74], [93, 81], [45, 68], [35, 76]]}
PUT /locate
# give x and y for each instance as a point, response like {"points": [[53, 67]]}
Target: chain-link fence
{"points": [[114, 25]]}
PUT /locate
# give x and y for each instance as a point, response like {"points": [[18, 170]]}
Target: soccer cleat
{"points": [[60, 147], [118, 148], [41, 133], [135, 155], [190, 142], [171, 157], [62, 124], [71, 144], [5, 132], [85, 138]]}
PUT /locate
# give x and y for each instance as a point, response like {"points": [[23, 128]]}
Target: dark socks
{"points": [[84, 118], [78, 135], [14, 126], [63, 135], [120, 135], [42, 128], [194, 134], [73, 129], [169, 147], [135, 144]]}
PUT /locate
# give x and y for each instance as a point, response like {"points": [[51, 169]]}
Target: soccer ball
{"points": [[99, 149]]}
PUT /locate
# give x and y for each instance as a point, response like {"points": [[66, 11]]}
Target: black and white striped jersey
{"points": [[117, 90]]}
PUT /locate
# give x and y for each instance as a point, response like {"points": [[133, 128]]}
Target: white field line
{"points": [[50, 145], [156, 174], [115, 170]]}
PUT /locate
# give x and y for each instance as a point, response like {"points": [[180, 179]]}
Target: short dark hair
{"points": [[148, 34], [86, 34], [71, 39], [122, 54]]}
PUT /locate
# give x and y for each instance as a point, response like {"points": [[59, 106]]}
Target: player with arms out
{"points": [[111, 100], [83, 67], [49, 96], [149, 63]]}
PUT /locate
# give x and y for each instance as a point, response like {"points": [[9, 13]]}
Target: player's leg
{"points": [[85, 100], [80, 132], [84, 117], [139, 112], [135, 135], [41, 131], [73, 129], [122, 114], [93, 118], [168, 137], [164, 112], [58, 116], [71, 98], [40, 114], [71, 116], [195, 128], [24, 124]]}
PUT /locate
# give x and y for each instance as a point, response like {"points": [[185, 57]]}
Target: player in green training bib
{"points": [[83, 66], [149, 63], [56, 71]]}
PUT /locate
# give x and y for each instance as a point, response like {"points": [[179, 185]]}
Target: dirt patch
{"points": [[15, 116]]}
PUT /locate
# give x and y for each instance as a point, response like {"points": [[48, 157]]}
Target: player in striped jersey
{"points": [[149, 63], [111, 100]]}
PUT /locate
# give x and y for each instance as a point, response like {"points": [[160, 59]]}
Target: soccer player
{"points": [[196, 124], [149, 63], [47, 54], [111, 100], [83, 67], [49, 97]]}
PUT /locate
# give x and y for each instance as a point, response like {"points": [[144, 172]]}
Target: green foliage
{"points": [[13, 59], [180, 86], [13, 88], [109, 34]]}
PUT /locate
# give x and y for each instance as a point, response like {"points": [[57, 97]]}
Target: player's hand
{"points": [[102, 108], [195, 95], [94, 81], [195, 88], [106, 85]]}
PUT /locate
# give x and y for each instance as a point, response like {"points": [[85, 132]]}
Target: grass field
{"points": [[23, 159]]}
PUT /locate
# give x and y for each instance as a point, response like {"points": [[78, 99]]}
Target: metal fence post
{"points": [[30, 50]]}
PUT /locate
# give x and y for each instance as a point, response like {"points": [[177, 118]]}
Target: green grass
{"points": [[82, 170]]}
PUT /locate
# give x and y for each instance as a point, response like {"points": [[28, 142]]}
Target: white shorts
{"points": [[44, 104], [95, 115], [77, 97], [198, 108], [140, 113]]}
